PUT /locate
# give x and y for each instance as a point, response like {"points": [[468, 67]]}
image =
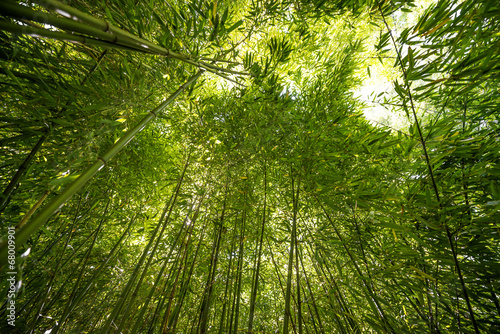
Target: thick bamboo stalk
{"points": [[23, 234], [7, 193], [102, 33]]}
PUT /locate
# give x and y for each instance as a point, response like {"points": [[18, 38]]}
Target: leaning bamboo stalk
{"points": [[73, 38], [144, 307], [182, 260], [154, 251], [23, 234], [278, 274], [107, 35], [431, 172], [308, 284], [102, 25], [207, 299], [52, 279], [372, 300]]}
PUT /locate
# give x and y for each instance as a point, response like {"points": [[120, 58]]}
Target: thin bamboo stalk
{"points": [[290, 263], [207, 299], [255, 284], [72, 296], [308, 284], [23, 234], [98, 271], [172, 323], [222, 327], [372, 300]]}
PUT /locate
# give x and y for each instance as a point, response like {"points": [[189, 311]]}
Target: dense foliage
{"points": [[205, 167]]}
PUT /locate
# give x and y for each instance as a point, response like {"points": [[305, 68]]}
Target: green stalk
{"points": [[52, 278], [164, 216], [73, 38], [7, 193], [160, 274], [72, 296], [96, 28], [23, 234], [9, 190], [228, 280], [79, 297], [276, 268], [308, 284], [297, 271]]}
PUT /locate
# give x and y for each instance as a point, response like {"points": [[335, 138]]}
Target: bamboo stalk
{"points": [[23, 234], [290, 265], [109, 35], [172, 323], [228, 276], [308, 284], [72, 296]]}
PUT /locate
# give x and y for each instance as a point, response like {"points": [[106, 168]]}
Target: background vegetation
{"points": [[256, 198]]}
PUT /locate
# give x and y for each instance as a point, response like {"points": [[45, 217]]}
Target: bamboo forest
{"points": [[250, 166]]}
